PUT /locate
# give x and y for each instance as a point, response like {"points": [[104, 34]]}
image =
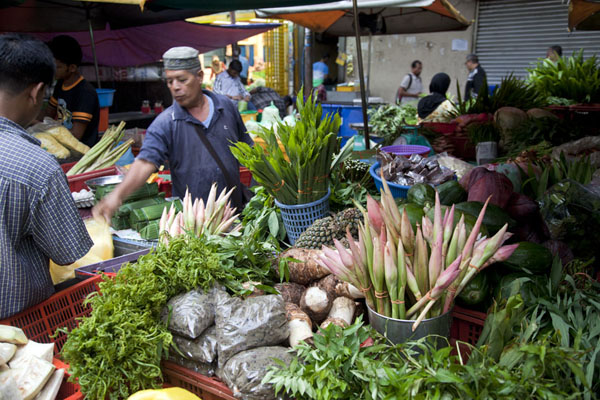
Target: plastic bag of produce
{"points": [[199, 367], [244, 372], [203, 349], [247, 324], [102, 249], [191, 313]]}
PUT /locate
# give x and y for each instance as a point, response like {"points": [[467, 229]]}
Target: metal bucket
{"points": [[400, 330]]}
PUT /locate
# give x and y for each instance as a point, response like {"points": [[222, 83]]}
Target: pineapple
{"points": [[324, 230]]}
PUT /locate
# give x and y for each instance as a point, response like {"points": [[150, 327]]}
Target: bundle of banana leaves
{"points": [[311, 147], [406, 274], [213, 218]]}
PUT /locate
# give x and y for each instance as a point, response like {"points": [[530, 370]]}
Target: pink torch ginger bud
{"points": [[374, 213]]}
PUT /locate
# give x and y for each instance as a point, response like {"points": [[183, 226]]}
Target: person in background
{"points": [[229, 83], [436, 107], [245, 65], [38, 218], [411, 86], [217, 66], [554, 53], [74, 101], [320, 71], [476, 78], [174, 135], [263, 97]]}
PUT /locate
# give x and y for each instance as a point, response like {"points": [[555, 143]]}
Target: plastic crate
{"points": [[61, 310], [111, 266], [77, 182], [245, 176], [204, 387], [297, 218], [68, 390], [467, 324]]}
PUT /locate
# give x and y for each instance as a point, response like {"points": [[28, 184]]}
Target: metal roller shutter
{"points": [[513, 34]]}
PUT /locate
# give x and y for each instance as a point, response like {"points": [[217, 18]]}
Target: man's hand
{"points": [[107, 207], [236, 97], [247, 98]]}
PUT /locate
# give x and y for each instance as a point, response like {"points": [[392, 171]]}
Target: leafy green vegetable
{"points": [[263, 218], [117, 350], [573, 78], [388, 120]]}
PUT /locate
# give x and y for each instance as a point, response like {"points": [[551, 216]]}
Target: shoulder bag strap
{"points": [[230, 181]]}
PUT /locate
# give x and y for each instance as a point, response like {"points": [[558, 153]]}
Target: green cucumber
{"points": [[451, 193], [476, 290], [421, 194]]}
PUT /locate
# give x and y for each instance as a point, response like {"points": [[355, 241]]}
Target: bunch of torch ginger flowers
{"points": [[413, 275], [213, 218]]}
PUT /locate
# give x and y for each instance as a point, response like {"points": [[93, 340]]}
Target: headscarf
{"points": [[216, 64], [438, 87]]}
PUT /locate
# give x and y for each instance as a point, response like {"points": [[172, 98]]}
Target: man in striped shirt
{"points": [[38, 218], [74, 101]]}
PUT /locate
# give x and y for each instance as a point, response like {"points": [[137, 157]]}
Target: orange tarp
{"points": [[580, 11], [317, 21]]}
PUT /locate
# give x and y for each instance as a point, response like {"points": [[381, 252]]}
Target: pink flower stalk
{"points": [[374, 213], [468, 249], [427, 229], [502, 254], [412, 284], [407, 234], [421, 262]]}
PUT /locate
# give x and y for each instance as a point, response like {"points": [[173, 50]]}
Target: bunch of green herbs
{"points": [[262, 218], [342, 366], [486, 132], [300, 174], [387, 121], [573, 78], [536, 130], [117, 349], [351, 182]]}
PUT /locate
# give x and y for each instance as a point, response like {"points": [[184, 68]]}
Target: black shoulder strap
{"points": [[409, 82], [230, 181]]}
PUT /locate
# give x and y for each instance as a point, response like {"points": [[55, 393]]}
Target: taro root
{"points": [[308, 269], [316, 303], [291, 292]]}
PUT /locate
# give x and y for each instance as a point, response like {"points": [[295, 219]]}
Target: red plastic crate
{"points": [[68, 390], [467, 324], [204, 387], [77, 182], [59, 311], [245, 176]]}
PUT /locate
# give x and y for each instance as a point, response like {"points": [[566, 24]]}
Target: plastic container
{"points": [[202, 386], [125, 251], [61, 310], [349, 115], [467, 324], [400, 330], [297, 218], [103, 119], [398, 191], [77, 182], [440, 127], [245, 176], [249, 116], [105, 97], [407, 150], [68, 390]]}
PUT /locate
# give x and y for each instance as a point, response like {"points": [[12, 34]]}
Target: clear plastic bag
{"points": [[203, 349], [246, 324], [199, 367], [244, 372], [189, 314]]}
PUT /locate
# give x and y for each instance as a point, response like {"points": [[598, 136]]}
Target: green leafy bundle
{"points": [[339, 368], [117, 350], [555, 311], [572, 78], [487, 132], [387, 120], [536, 130], [301, 174], [262, 218], [515, 92]]}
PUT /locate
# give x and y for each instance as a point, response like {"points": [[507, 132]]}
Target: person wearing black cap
{"points": [[182, 134], [230, 85], [74, 101]]}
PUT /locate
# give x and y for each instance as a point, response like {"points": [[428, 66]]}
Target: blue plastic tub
{"points": [[349, 115], [105, 97], [298, 218], [398, 191]]}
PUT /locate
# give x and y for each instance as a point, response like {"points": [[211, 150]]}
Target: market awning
{"points": [[146, 44], [584, 15], [396, 16], [384, 16], [210, 6]]}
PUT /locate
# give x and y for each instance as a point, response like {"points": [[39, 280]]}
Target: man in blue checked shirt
{"points": [[38, 218]]}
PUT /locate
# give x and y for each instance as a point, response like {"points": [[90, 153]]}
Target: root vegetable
{"points": [[316, 303], [299, 323], [308, 269], [335, 321], [337, 288], [291, 292], [342, 308]]}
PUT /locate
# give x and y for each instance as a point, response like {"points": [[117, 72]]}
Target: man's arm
{"points": [[135, 178], [478, 81], [79, 128]]}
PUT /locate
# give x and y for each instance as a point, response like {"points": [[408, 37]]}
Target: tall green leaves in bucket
{"points": [[301, 173]]}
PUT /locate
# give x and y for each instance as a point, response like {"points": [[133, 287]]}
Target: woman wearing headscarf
{"points": [[435, 107]]}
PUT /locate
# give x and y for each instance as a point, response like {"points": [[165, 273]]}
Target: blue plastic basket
{"points": [[398, 191], [298, 218], [407, 150], [105, 97]]}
